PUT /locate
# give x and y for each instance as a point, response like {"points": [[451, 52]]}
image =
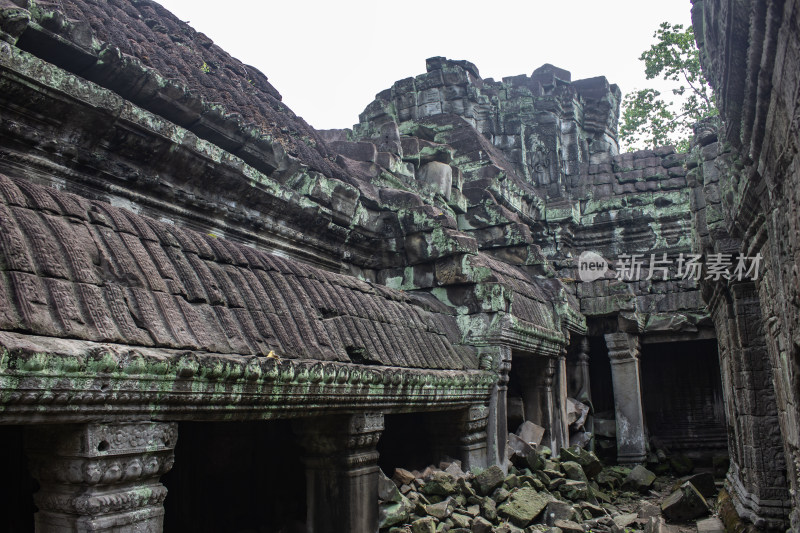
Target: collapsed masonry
{"points": [[182, 255]]}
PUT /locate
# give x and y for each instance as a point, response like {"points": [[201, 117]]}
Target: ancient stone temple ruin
{"points": [[203, 298]]}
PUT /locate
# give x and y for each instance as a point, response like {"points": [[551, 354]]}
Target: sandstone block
{"points": [[489, 479], [358, 151], [436, 177], [640, 479], [522, 506], [684, 504], [530, 432]]}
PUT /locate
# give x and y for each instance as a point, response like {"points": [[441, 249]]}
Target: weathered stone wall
{"points": [[534, 161], [751, 192]]}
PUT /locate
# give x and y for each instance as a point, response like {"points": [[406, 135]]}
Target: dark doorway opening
{"points": [[604, 420], [408, 442], [17, 488], [237, 477], [682, 397], [600, 377]]}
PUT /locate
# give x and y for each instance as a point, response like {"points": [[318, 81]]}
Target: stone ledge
{"points": [[65, 380]]}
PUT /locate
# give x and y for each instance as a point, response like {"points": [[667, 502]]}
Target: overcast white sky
{"points": [[329, 58]]}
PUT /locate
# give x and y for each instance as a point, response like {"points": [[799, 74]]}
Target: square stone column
{"points": [[497, 359], [100, 477], [461, 435], [560, 426], [341, 472], [623, 351], [584, 392]]}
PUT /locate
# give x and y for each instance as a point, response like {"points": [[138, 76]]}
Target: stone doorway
{"points": [[604, 421], [682, 398], [17, 489], [534, 395], [237, 477], [406, 442]]}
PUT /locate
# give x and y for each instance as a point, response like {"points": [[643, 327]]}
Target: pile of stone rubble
{"points": [[573, 493]]}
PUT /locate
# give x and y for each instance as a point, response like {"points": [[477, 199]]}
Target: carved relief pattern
{"points": [[99, 469], [622, 347], [131, 280], [153, 381]]}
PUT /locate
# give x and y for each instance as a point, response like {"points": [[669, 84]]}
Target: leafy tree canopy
{"points": [[648, 120]]}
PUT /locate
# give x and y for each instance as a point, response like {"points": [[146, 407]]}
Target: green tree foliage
{"points": [[648, 120]]}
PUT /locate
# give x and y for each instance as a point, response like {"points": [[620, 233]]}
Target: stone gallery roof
{"points": [[162, 43], [81, 269]]}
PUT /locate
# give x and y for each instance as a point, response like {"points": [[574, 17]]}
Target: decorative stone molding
{"points": [[106, 379], [101, 477], [622, 347]]}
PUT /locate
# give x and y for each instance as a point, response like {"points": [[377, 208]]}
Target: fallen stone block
{"points": [[424, 525], [684, 504], [647, 509], [392, 513], [521, 453], [588, 460], [489, 479], [624, 520], [568, 526], [522, 506], [581, 439], [576, 413], [530, 432], [558, 510], [461, 520], [640, 479], [710, 525], [455, 470], [574, 490], [442, 510], [704, 483], [402, 477], [481, 525], [441, 484], [655, 524], [574, 471]]}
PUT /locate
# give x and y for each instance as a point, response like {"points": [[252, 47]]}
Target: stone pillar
{"points": [[561, 432], [623, 351], [341, 472], [100, 477], [497, 358], [462, 435], [584, 392]]}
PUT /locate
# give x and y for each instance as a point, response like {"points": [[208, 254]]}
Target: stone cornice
{"points": [[60, 380]]}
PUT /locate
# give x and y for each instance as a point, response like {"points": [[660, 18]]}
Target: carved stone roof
{"points": [[83, 269], [162, 43]]}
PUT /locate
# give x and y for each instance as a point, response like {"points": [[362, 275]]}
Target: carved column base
{"points": [[341, 472], [101, 477]]}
